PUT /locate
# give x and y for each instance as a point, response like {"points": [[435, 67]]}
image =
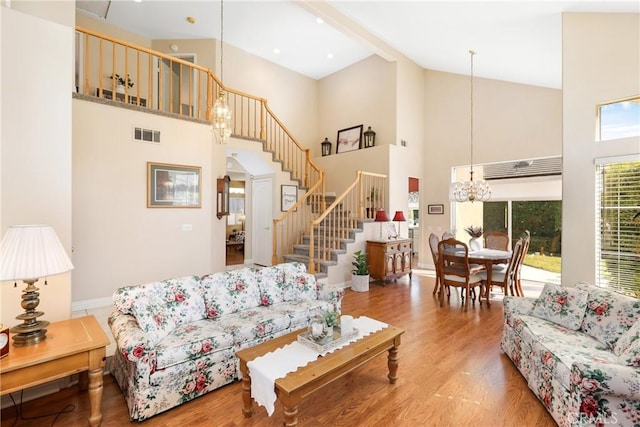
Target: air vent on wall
{"points": [[523, 168], [146, 135]]}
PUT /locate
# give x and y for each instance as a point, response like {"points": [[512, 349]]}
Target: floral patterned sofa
{"points": [[176, 339], [579, 350]]}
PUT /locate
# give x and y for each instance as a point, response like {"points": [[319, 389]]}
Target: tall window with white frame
{"points": [[618, 225]]}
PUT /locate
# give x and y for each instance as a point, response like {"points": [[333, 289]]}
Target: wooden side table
{"points": [[72, 346]]}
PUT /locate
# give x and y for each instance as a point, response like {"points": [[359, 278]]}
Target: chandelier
{"points": [[471, 191], [221, 113]]}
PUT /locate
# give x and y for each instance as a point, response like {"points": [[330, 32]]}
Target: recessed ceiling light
{"points": [[329, 55], [276, 51], [138, 1], [319, 20]]}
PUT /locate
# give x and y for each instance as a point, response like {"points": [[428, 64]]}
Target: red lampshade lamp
{"points": [[381, 216], [399, 217]]}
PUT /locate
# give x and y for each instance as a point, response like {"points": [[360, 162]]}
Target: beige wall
{"points": [[511, 121], [407, 161], [117, 239], [35, 140], [364, 93], [292, 97], [601, 61]]}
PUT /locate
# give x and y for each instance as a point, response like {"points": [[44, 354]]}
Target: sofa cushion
{"points": [[628, 338], [562, 305], [301, 312], [271, 284], [630, 356], [192, 341], [183, 299], [152, 317], [609, 314], [254, 323], [300, 286], [230, 292]]}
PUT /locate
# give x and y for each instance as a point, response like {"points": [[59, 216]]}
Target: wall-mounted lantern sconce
{"points": [[369, 138], [326, 147]]}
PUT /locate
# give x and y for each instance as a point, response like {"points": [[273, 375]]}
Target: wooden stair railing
{"points": [[328, 229]]}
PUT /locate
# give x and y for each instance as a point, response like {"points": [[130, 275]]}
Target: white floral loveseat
{"points": [[176, 339], [579, 350]]}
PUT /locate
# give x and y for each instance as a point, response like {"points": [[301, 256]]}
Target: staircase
{"points": [[301, 251]]}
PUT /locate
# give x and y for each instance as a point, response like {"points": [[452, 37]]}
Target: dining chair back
{"points": [[526, 240], [447, 235], [496, 240], [433, 245], [505, 278], [453, 261]]}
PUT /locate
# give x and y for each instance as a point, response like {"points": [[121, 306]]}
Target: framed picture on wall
{"points": [[288, 197], [173, 186], [435, 209], [349, 139]]}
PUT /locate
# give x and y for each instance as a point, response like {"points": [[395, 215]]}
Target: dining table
{"points": [[487, 258]]}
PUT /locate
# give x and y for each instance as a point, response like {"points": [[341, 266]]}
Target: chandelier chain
{"points": [[472, 53], [222, 41]]}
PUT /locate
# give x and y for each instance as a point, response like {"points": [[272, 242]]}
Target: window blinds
{"points": [[618, 226]]}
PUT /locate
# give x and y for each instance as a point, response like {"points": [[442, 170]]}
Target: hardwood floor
{"points": [[451, 373]]}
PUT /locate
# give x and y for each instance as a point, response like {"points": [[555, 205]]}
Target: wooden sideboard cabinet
{"points": [[389, 259]]}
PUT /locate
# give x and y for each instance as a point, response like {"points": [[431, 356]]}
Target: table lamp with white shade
{"points": [[27, 253]]}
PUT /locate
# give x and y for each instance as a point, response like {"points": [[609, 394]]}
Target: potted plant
{"points": [[121, 82], [330, 319], [360, 272], [475, 243]]}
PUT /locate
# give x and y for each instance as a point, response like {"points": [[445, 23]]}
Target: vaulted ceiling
{"points": [[516, 41]]}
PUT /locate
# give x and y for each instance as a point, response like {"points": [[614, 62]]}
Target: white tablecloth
{"points": [[264, 370]]}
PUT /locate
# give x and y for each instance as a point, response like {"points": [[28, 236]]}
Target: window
{"points": [[619, 119], [618, 226]]}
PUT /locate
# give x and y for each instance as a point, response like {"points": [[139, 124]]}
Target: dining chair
{"points": [[526, 240], [496, 240], [433, 245], [453, 260], [504, 278], [447, 235]]}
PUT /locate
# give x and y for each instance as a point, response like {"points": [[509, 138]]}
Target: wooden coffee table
{"points": [[299, 384]]}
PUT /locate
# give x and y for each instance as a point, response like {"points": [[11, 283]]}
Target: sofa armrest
{"points": [[134, 346], [332, 294], [603, 379], [518, 305]]}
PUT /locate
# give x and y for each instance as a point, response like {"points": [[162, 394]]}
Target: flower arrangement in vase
{"points": [[121, 82], [475, 243], [330, 320]]}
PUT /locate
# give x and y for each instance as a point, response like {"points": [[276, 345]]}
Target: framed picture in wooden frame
{"points": [[288, 197], [435, 209], [173, 186], [349, 139]]}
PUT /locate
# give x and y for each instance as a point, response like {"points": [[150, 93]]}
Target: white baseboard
{"points": [[90, 304]]}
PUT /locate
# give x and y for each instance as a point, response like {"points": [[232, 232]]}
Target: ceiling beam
{"points": [[342, 23]]}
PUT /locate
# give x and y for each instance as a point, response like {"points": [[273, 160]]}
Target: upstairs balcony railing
{"points": [[168, 85]]}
